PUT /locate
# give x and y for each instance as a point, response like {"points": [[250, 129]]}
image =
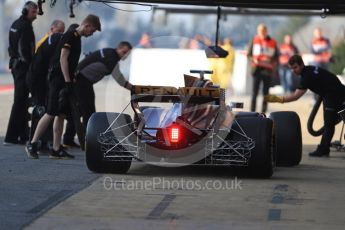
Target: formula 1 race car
{"points": [[194, 129]]}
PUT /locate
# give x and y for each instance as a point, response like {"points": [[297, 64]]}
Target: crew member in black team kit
{"points": [[61, 74], [38, 71], [21, 51], [92, 69], [327, 86], [38, 81]]}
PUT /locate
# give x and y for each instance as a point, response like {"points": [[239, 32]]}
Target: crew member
{"points": [[57, 26], [321, 49], [327, 86], [92, 69], [63, 66], [38, 71], [263, 53], [21, 50]]}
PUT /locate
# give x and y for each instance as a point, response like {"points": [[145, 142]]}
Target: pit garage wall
{"points": [[166, 67], [163, 67], [241, 78]]}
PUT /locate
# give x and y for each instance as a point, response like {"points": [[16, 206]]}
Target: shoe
{"points": [[31, 150], [70, 144], [320, 152], [60, 154]]}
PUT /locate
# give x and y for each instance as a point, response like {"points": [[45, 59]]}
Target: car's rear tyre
{"points": [[246, 114], [98, 123], [259, 129], [288, 138]]}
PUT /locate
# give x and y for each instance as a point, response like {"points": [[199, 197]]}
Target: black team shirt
{"points": [[321, 82], [22, 40], [70, 40], [98, 64], [40, 62]]}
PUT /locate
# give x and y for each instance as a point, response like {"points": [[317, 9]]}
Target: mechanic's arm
{"points": [[64, 64], [120, 79], [287, 98], [294, 96]]}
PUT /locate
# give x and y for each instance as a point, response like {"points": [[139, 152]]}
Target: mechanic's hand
{"points": [[68, 87], [274, 98]]}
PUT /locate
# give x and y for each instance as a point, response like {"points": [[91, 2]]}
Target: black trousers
{"points": [[18, 127], [70, 131], [39, 90], [331, 105], [86, 98], [264, 76]]}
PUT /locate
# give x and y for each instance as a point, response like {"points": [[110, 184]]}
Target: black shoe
{"points": [[70, 144], [31, 150], [320, 152], [60, 154]]}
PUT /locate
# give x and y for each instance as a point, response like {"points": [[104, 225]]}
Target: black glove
{"points": [[68, 88], [38, 111]]}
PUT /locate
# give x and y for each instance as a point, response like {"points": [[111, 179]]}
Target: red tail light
{"points": [[174, 134]]}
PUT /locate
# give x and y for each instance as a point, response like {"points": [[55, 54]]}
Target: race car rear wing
{"points": [[195, 95], [185, 95]]}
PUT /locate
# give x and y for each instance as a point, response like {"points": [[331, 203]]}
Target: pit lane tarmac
{"points": [[309, 195], [48, 194]]}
